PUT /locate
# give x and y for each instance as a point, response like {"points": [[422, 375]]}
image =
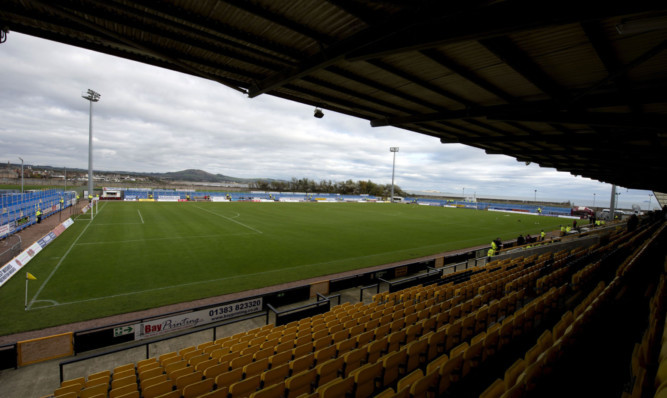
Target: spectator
{"points": [[520, 240]]}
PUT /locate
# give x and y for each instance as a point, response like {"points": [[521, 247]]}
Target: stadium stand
{"points": [[17, 210], [453, 337]]}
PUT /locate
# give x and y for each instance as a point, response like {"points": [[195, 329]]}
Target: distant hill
{"points": [[189, 175], [193, 175]]}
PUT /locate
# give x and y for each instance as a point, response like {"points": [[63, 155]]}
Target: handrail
{"points": [[328, 298], [361, 290], [157, 340]]}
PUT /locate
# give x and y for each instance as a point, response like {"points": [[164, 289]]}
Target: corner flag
{"points": [[30, 276]]}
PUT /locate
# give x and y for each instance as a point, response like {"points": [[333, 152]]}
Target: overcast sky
{"points": [[155, 120]]}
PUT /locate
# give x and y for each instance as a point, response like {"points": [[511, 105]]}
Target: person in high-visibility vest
{"points": [[490, 253], [568, 229], [38, 216], [542, 235], [562, 230], [539, 210], [62, 203], [494, 247], [90, 197]]}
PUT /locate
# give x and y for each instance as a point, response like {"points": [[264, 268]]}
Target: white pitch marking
{"points": [[230, 219], [58, 265], [142, 219], [164, 238], [236, 277]]}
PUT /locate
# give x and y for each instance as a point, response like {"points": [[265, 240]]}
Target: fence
{"points": [[9, 248]]}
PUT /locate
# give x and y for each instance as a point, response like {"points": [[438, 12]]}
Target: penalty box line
{"points": [[230, 219]]}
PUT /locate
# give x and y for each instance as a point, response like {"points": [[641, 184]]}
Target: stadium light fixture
{"points": [[535, 198], [393, 149], [91, 96], [318, 113], [21, 174]]}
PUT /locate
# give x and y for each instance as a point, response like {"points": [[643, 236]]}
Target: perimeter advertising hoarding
{"points": [[11, 268], [162, 326]]}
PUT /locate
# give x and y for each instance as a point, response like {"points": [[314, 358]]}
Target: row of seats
{"points": [[538, 360], [524, 376]]}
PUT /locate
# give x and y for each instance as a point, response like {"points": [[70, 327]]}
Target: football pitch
{"points": [[137, 255]]}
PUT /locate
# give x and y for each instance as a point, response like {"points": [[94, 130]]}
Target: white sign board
{"points": [[159, 327]]}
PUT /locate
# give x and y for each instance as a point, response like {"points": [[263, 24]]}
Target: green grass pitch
{"points": [[137, 255]]}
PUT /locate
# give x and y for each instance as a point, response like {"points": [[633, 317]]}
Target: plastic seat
{"points": [[120, 391], [301, 364], [202, 366], [472, 357], [353, 360], [450, 373], [198, 388], [158, 389], [366, 379], [376, 349], [273, 391], [417, 352], [329, 370], [228, 378], [275, 375], [409, 379], [495, 390], [392, 367], [72, 388], [512, 373], [244, 387], [300, 383], [213, 371], [423, 386], [152, 381], [187, 379], [123, 382]]}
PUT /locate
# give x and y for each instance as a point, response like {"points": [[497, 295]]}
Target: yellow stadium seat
{"points": [[187, 379], [366, 379], [273, 391], [123, 382], [158, 389], [512, 373], [302, 363], [79, 381], [72, 388], [423, 387], [123, 368], [376, 349], [300, 383], [245, 387], [336, 388], [449, 373], [409, 379], [392, 367], [417, 352], [228, 378], [213, 371], [120, 391], [329, 370], [275, 375], [495, 390], [353, 360]]}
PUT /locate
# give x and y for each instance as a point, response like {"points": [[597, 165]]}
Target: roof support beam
{"points": [[608, 119], [510, 54], [498, 19]]}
